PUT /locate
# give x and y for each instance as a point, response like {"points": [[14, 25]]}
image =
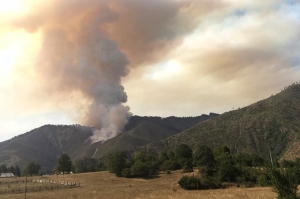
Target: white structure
{"points": [[7, 175]]}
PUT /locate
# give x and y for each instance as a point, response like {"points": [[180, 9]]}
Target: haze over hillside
{"points": [[46, 143]]}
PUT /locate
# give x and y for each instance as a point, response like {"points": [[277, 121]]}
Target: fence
{"points": [[36, 185], [65, 183]]}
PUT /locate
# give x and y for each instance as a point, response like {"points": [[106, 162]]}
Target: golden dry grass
{"points": [[105, 185]]}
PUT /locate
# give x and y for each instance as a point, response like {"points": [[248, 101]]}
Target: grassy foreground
{"points": [[105, 185]]}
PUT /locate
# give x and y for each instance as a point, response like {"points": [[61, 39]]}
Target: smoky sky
{"points": [[87, 47], [92, 60]]}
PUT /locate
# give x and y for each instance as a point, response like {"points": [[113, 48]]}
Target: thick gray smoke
{"points": [[81, 52], [78, 56]]}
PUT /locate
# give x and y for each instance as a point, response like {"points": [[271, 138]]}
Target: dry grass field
{"points": [[105, 185]]}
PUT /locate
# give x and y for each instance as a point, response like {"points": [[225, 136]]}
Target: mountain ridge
{"points": [[267, 126], [45, 143]]}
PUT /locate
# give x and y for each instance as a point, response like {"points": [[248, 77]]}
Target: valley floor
{"points": [[105, 185]]}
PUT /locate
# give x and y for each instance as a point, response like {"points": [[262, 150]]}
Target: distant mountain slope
{"points": [[43, 145], [272, 125], [46, 143], [144, 130]]}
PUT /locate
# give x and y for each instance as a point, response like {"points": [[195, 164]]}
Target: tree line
{"points": [[218, 162], [216, 168], [12, 169]]}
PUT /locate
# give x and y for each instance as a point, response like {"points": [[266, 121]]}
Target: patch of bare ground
{"points": [[105, 185]]}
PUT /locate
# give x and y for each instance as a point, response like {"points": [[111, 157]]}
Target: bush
{"points": [[227, 172], [187, 169], [153, 168], [247, 176], [190, 183], [140, 169], [203, 156], [205, 171], [210, 183], [171, 165], [126, 173], [116, 162], [263, 180], [284, 182]]}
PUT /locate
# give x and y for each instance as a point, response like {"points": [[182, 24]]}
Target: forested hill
{"points": [[46, 143], [271, 125]]}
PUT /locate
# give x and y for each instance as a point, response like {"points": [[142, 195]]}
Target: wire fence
{"points": [[34, 185]]}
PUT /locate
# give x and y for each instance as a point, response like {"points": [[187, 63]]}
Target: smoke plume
{"points": [[78, 56], [88, 47]]}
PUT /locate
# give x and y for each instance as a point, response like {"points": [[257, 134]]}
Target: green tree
{"points": [[221, 152], [284, 182], [162, 157], [64, 163], [11, 169], [183, 155], [3, 169], [227, 171], [116, 162], [32, 168], [183, 151], [17, 171], [80, 166], [203, 156], [140, 169], [85, 165]]}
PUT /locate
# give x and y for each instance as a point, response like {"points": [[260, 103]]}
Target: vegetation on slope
{"points": [[45, 144], [270, 126]]}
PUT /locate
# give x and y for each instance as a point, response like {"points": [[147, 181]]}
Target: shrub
{"points": [[205, 171], [263, 180], [203, 156], [227, 172], [284, 182], [187, 169], [171, 165], [153, 168], [190, 183], [140, 169], [126, 173], [210, 182], [116, 162]]}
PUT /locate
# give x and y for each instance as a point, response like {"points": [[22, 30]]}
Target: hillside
{"points": [[46, 143], [271, 125]]}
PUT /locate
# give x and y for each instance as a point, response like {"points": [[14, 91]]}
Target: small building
{"points": [[7, 175]]}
